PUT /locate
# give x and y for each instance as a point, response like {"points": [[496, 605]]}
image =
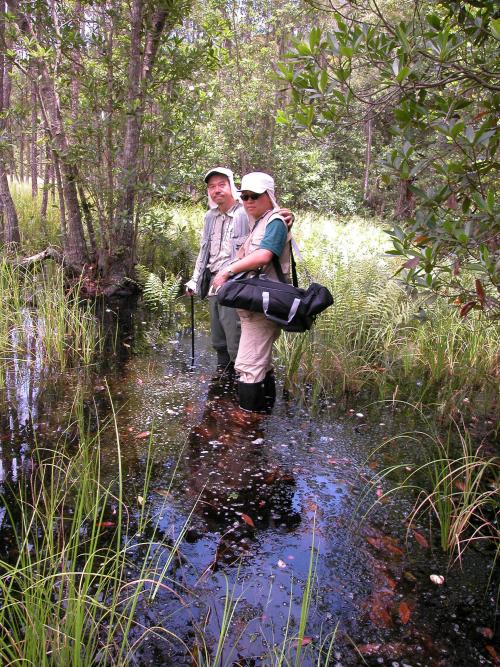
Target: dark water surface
{"points": [[273, 496]]}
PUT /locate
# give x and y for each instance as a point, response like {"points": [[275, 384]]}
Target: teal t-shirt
{"points": [[275, 237]]}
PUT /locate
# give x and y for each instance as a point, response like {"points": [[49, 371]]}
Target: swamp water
{"points": [[274, 510]]}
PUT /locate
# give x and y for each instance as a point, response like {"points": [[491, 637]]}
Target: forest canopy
{"points": [[384, 108]]}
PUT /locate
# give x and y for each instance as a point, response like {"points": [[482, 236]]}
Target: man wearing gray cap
{"points": [[225, 229]]}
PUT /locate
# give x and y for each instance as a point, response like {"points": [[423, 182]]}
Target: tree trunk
{"points": [[405, 205], [11, 235], [368, 159], [34, 122], [119, 264], [75, 248], [47, 177]]}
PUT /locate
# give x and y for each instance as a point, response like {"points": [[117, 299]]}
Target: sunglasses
{"points": [[253, 196]]}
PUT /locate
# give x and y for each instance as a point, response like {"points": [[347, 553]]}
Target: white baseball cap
{"points": [[258, 182]]}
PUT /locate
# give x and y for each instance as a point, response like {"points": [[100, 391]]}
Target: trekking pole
{"points": [[192, 330]]}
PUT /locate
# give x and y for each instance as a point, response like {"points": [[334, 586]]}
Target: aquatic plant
{"points": [[71, 590], [457, 486], [42, 324]]}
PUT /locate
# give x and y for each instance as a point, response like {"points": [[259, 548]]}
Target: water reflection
{"points": [[241, 490], [23, 379]]}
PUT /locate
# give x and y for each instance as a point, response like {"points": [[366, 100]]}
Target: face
{"points": [[257, 207], [219, 190]]}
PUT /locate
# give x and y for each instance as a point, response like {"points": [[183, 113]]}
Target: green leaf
{"points": [[495, 28], [403, 73], [434, 21], [347, 51], [323, 81]]}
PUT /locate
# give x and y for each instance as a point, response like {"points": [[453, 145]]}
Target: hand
{"points": [[287, 216], [190, 288], [219, 280]]}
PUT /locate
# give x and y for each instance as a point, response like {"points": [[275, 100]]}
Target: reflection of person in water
{"points": [[240, 490]]}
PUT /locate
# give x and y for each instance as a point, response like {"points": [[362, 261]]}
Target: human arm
{"points": [[200, 264], [272, 244], [255, 260]]}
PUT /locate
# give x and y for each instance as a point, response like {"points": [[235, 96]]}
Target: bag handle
{"points": [[291, 313]]}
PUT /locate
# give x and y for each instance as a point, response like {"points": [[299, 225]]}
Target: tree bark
{"points": [[34, 123], [368, 159], [75, 248], [11, 235], [119, 263]]}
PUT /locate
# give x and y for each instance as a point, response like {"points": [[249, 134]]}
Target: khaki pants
{"points": [[225, 327], [254, 358]]}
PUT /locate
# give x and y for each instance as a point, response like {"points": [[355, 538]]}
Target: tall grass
{"points": [[35, 234], [41, 324], [456, 488], [378, 337], [69, 596]]}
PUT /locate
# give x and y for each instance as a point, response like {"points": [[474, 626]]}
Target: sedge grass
{"points": [[67, 597], [42, 324], [457, 487], [36, 234]]}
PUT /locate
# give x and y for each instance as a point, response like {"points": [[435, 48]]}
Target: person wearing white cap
{"points": [[225, 229], [268, 242]]}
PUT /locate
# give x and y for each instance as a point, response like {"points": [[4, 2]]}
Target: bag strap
{"points": [[279, 270]]}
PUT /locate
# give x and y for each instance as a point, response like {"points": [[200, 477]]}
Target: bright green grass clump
{"points": [[36, 234], [43, 324]]}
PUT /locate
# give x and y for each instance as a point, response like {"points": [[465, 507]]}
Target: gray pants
{"points": [[226, 328]]}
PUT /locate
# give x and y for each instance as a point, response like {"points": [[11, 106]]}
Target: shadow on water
{"points": [[264, 489]]}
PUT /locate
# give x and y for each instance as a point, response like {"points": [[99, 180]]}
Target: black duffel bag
{"points": [[292, 308]]}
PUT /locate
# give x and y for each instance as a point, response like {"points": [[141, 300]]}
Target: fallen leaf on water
{"points": [[379, 612], [493, 653], [248, 520], [163, 492], [106, 524], [437, 579], [486, 632], [143, 434], [421, 540], [281, 564], [305, 641], [404, 613], [385, 543]]}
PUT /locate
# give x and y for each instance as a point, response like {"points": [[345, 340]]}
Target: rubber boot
{"points": [[252, 396], [270, 389], [223, 359]]}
